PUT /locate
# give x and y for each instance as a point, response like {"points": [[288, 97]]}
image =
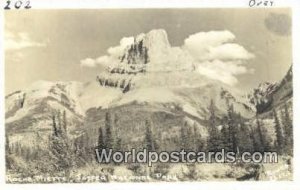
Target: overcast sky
{"points": [[50, 44]]}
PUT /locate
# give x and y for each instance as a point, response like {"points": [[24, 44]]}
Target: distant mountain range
{"points": [[135, 90]]}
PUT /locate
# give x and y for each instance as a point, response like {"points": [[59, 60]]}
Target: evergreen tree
{"points": [[7, 153], [288, 126], [255, 144], [184, 136], [18, 149], [118, 146], [55, 131], [242, 135], [212, 119], [260, 134], [190, 138], [64, 123], [244, 139], [116, 127], [232, 140], [149, 141], [101, 143], [60, 149], [59, 122], [282, 119], [279, 135], [27, 154], [83, 153], [198, 143], [214, 141], [225, 137], [108, 131], [7, 148]]}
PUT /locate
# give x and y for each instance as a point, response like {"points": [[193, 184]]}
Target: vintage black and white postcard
{"points": [[167, 94]]}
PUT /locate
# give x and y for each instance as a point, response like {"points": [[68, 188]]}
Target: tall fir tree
{"points": [[260, 135], [214, 142], [149, 139], [64, 121], [288, 126], [54, 126], [244, 138], [7, 145], [190, 138], [225, 137], [59, 122], [198, 144], [118, 144], [279, 134], [60, 148], [116, 133], [232, 127], [212, 118], [254, 141], [184, 136], [7, 153], [101, 142], [109, 141]]}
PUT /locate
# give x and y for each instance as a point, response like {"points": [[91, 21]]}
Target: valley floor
{"points": [[95, 173]]}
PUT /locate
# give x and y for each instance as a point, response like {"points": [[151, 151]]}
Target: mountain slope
{"points": [[148, 74], [33, 108], [270, 95]]}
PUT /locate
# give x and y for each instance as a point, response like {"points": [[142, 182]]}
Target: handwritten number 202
{"points": [[18, 5]]}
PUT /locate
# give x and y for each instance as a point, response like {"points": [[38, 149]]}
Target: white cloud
{"points": [[229, 51], [224, 71], [112, 57], [107, 61], [103, 60], [88, 62], [199, 43], [217, 57], [19, 41], [118, 50], [215, 45]]}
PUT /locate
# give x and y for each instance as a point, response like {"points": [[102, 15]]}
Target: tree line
{"points": [[231, 132], [239, 135], [108, 138]]}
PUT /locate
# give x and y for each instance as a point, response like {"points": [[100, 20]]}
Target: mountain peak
{"points": [[156, 42], [156, 39], [149, 48], [156, 35], [268, 95]]}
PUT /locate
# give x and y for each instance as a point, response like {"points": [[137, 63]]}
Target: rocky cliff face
{"points": [[269, 95], [137, 59], [151, 71]]}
